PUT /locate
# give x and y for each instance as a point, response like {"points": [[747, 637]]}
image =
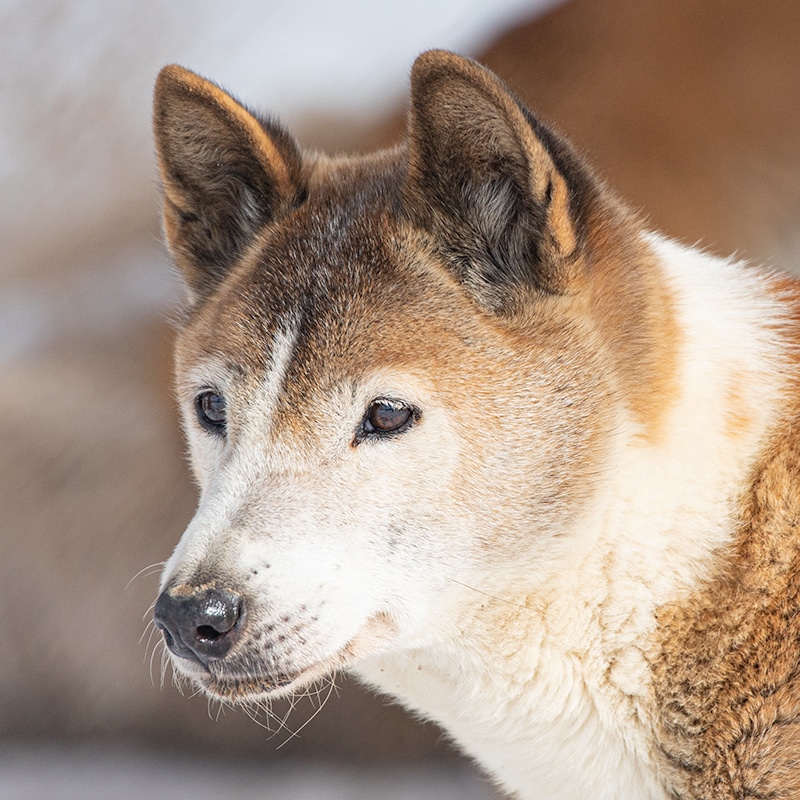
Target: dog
{"points": [[465, 427]]}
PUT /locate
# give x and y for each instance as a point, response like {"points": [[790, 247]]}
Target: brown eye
{"points": [[388, 416], [211, 411]]}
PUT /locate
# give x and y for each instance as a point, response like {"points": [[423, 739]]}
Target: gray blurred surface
{"points": [[58, 772]]}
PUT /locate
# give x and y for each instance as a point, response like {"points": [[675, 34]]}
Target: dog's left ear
{"points": [[490, 181]]}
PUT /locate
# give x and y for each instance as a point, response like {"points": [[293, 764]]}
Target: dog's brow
{"points": [[211, 372]]}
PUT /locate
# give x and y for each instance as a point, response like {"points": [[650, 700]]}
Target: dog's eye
{"points": [[210, 408], [388, 416]]}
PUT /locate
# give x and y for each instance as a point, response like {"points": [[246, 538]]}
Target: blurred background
{"points": [[691, 109]]}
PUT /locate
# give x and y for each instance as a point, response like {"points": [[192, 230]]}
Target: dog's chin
{"points": [[252, 688], [239, 688]]}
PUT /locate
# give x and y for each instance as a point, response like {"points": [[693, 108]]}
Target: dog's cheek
{"points": [[205, 455], [341, 557]]}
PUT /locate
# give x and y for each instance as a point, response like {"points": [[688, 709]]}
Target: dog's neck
{"points": [[563, 667], [519, 703]]}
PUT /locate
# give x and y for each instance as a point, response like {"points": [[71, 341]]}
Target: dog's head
{"points": [[393, 387]]}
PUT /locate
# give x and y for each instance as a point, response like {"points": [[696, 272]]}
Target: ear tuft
{"points": [[483, 177], [225, 174]]}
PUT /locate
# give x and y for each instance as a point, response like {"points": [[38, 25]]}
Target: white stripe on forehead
{"points": [[281, 351]]}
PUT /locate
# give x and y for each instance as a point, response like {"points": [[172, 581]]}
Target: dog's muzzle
{"points": [[201, 624]]}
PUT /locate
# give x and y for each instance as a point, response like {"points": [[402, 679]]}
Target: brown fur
{"points": [[725, 664]]}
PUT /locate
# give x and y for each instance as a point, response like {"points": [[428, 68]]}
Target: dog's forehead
{"points": [[339, 287]]}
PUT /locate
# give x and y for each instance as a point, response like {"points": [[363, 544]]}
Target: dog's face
{"points": [[387, 416]]}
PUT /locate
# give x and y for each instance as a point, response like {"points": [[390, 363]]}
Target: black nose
{"points": [[201, 625]]}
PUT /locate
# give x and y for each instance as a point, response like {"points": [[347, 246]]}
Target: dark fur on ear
{"points": [[491, 181], [225, 174]]}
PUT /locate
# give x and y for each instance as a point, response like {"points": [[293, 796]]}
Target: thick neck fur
{"points": [[548, 684]]}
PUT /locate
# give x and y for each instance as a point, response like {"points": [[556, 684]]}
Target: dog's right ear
{"points": [[225, 174]]}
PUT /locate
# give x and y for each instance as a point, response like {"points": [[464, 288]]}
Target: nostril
{"points": [[208, 633]]}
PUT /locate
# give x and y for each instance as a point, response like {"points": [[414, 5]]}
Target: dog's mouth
{"points": [[229, 680]]}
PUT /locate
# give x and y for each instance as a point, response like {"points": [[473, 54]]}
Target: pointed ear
{"points": [[488, 181], [225, 174]]}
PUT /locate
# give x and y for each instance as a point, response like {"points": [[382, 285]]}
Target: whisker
{"points": [[282, 721], [149, 628], [490, 596], [149, 570], [321, 706], [265, 707], [220, 705], [149, 611], [252, 712], [165, 664], [196, 691]]}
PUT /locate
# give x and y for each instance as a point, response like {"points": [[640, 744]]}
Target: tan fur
{"points": [[738, 414], [637, 321]]}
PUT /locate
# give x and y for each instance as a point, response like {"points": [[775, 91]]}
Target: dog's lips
{"points": [[243, 687], [226, 680]]}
